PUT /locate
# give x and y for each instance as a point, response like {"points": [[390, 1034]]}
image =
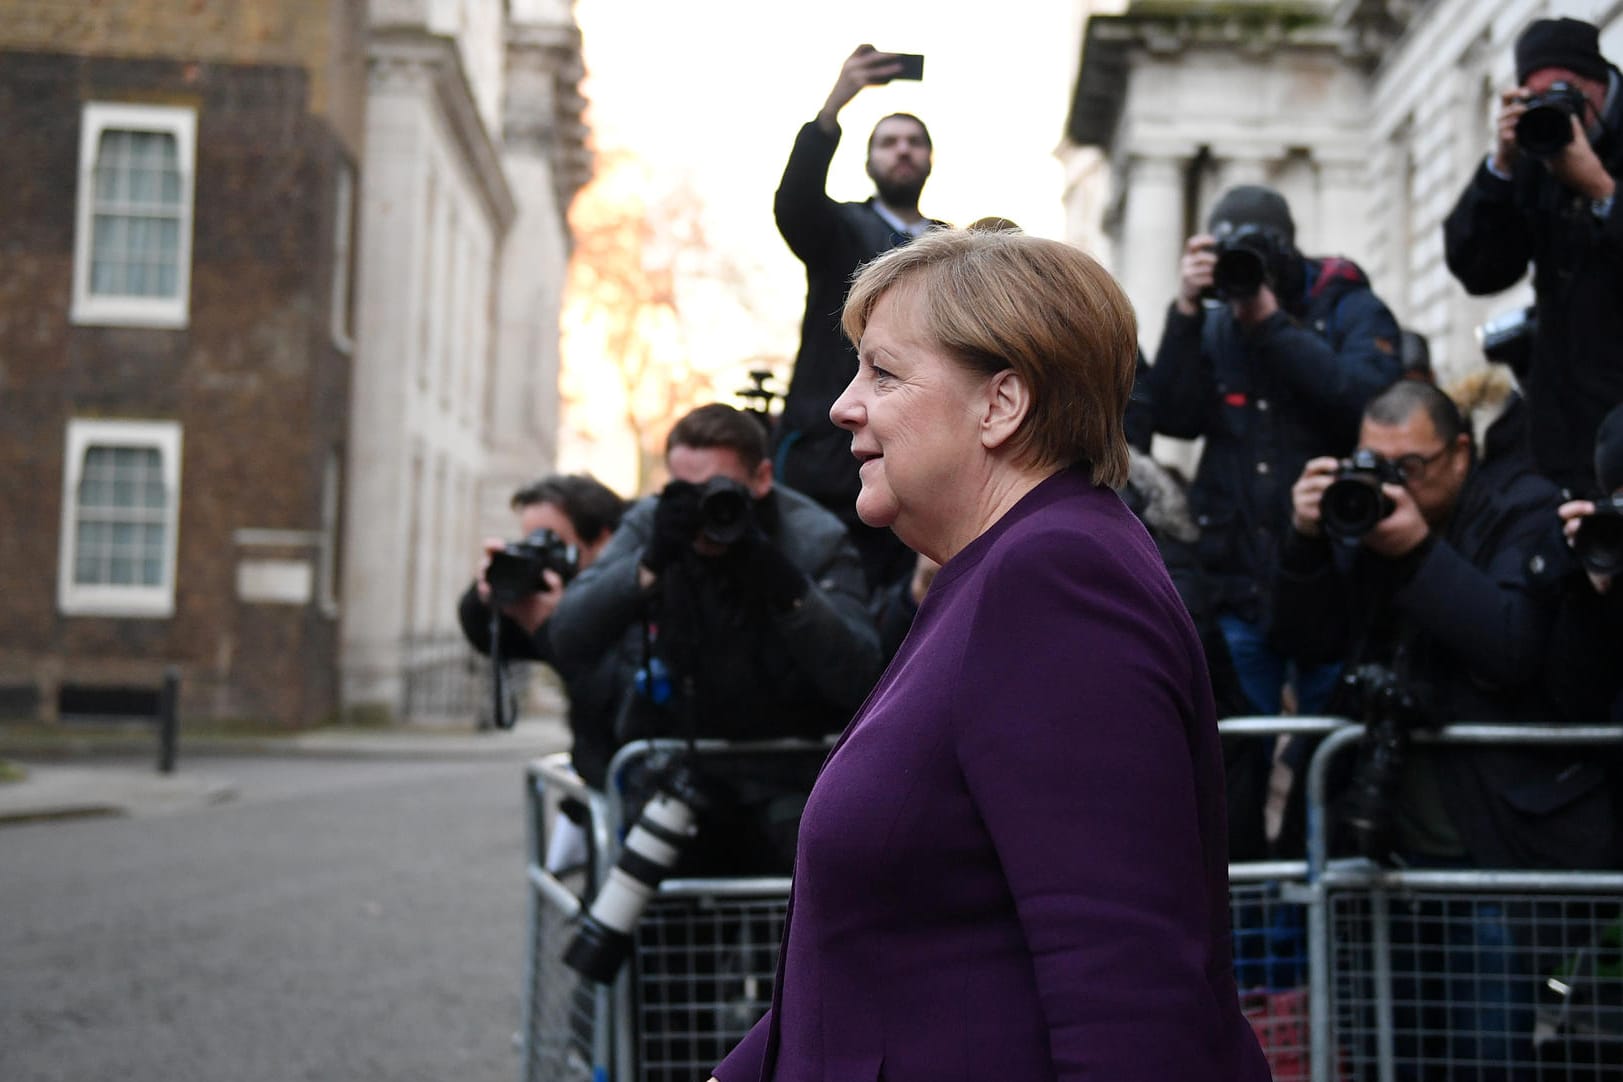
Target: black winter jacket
{"points": [[761, 673], [832, 239], [1500, 226], [1266, 400], [592, 684], [1475, 608]]}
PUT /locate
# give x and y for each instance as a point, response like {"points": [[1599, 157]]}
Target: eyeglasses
{"points": [[1412, 467]]}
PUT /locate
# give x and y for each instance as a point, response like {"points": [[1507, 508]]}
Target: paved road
{"points": [[336, 921]]}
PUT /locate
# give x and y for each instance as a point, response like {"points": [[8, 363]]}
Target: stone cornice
{"points": [[1166, 28], [408, 57], [544, 109], [1371, 27]]}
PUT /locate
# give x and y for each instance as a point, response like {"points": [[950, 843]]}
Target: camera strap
{"points": [[1401, 658], [666, 679], [503, 713]]}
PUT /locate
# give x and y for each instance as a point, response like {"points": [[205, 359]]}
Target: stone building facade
{"points": [[1369, 115], [188, 374]]}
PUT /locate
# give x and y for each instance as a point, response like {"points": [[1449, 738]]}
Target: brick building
{"points": [[192, 201]]}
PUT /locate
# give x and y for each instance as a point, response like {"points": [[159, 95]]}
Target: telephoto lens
{"points": [[1367, 813], [669, 821]]}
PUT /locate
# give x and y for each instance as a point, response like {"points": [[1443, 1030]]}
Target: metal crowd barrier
{"points": [[705, 951], [1347, 970], [1436, 973]]}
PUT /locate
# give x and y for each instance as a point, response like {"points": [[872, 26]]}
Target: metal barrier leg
{"points": [[1322, 1035], [568, 1027], [533, 831], [1380, 925], [624, 1048]]}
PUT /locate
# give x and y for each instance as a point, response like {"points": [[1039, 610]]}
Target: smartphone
{"points": [[912, 66]]}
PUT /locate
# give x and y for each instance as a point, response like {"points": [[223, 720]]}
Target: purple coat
{"points": [[1012, 866]]}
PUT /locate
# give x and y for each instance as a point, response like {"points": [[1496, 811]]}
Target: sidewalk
{"points": [[61, 783]]}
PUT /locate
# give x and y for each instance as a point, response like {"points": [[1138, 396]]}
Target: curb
{"points": [[540, 737], [53, 794]]}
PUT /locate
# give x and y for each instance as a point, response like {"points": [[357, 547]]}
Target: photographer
{"points": [[1270, 356], [1545, 196], [758, 620], [1583, 673], [1433, 580], [833, 239], [579, 513], [1451, 590]]}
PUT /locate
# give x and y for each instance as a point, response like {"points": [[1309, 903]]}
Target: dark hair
{"points": [[1415, 352], [720, 425], [994, 223], [900, 116], [590, 506], [1399, 402]]}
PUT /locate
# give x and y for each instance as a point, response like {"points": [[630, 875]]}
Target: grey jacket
{"points": [[758, 673]]}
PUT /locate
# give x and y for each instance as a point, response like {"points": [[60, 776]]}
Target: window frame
{"points": [[100, 599], [110, 310]]}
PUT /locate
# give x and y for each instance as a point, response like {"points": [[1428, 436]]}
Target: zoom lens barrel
{"points": [[1352, 505], [1240, 273], [656, 842]]}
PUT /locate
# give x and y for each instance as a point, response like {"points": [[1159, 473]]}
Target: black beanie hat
{"points": [[1252, 204], [1560, 43], [1609, 452]]}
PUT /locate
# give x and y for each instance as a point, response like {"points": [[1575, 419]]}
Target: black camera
{"points": [[1248, 257], [724, 510], [1508, 337], [517, 571], [668, 823], [1545, 129], [1599, 540], [1354, 502], [1390, 707]]}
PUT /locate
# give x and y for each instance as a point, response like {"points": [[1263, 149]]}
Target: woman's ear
{"points": [[1008, 400]]}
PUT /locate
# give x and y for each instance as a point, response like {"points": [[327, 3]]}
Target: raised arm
{"points": [[1337, 377], [1494, 620], [607, 598], [804, 212]]}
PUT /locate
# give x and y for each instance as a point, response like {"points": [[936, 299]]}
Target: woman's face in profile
{"points": [[914, 416]]}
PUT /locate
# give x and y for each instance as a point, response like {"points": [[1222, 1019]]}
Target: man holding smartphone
{"points": [[833, 239]]}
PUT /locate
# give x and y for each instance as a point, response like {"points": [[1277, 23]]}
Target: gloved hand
{"points": [[769, 570], [676, 523]]}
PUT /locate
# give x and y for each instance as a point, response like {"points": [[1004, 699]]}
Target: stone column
{"points": [[1151, 238], [1343, 227], [1240, 168]]}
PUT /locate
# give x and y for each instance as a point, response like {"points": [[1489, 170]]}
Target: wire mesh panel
{"points": [[563, 1009], [1481, 985], [703, 976], [1270, 968]]}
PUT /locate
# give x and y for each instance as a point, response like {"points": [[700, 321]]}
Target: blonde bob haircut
{"points": [[996, 299]]}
